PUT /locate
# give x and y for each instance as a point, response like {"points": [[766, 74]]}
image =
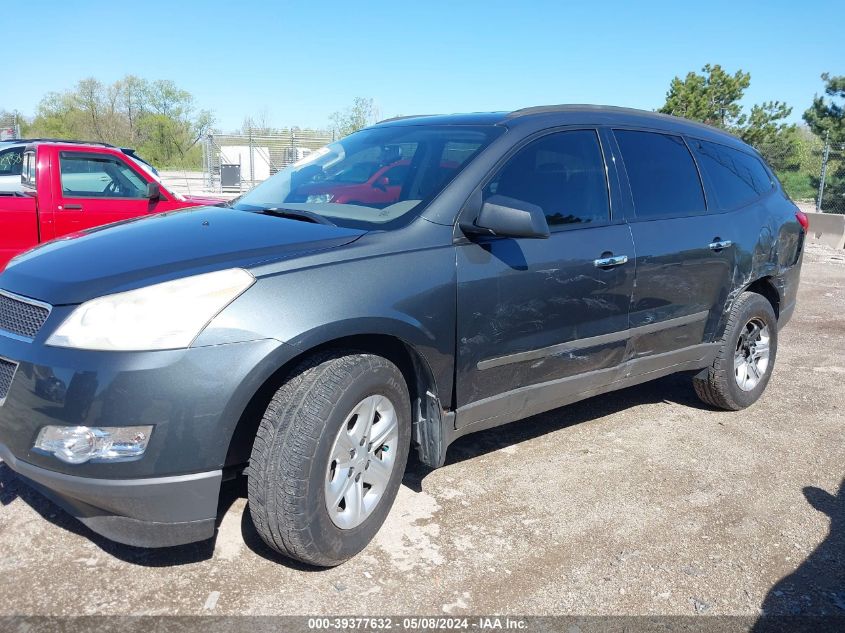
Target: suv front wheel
{"points": [[743, 366], [329, 457]]}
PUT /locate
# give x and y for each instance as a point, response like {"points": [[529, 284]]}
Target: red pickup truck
{"points": [[70, 186]]}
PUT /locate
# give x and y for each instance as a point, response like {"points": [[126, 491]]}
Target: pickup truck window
{"points": [[11, 161], [563, 174], [28, 169], [96, 176]]}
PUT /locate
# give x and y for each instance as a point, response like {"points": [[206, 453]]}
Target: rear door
{"points": [[96, 188], [534, 312], [685, 258]]}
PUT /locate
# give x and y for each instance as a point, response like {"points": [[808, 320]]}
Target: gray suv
{"points": [[333, 318]]}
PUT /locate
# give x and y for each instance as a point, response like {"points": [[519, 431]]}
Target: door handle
{"points": [[610, 262], [719, 245], [72, 207]]}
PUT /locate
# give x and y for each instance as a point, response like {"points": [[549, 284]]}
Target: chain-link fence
{"points": [[811, 170], [237, 162], [831, 196], [9, 126]]}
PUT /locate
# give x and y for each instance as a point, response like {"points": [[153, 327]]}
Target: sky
{"points": [[300, 61]]}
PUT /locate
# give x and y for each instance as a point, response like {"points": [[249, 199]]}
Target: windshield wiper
{"points": [[297, 214]]}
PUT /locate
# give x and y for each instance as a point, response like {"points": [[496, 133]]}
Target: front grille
{"points": [[7, 372], [21, 317]]}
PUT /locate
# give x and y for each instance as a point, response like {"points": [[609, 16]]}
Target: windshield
{"points": [[373, 177]]}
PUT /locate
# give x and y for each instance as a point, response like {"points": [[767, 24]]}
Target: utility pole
{"points": [[824, 170], [251, 159]]}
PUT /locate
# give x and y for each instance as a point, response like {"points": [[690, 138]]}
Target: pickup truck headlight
{"points": [[168, 315]]}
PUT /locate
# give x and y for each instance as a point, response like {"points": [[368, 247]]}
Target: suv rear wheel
{"points": [[744, 364], [329, 457]]}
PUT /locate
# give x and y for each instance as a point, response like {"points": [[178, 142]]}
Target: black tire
{"points": [[287, 471], [717, 385]]}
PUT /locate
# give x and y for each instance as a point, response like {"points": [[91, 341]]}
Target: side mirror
{"points": [[502, 216], [382, 183], [153, 191]]}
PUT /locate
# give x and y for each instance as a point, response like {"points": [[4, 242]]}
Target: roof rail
{"points": [[57, 140], [402, 117], [569, 107]]}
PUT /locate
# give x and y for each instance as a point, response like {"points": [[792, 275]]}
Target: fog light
{"points": [[79, 444]]}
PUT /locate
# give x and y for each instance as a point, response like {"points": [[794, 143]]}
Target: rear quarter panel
{"points": [[769, 244], [19, 221]]}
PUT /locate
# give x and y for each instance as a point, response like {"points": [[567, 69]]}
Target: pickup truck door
{"points": [[536, 315], [94, 188]]}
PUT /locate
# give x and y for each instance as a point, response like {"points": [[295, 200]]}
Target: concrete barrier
{"points": [[827, 228]]}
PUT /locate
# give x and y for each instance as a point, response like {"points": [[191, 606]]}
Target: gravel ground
{"points": [[642, 501]]}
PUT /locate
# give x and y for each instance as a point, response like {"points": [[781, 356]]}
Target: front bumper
{"points": [[194, 398], [150, 512]]}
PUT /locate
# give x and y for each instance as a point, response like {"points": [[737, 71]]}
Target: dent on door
{"points": [[533, 311], [682, 283]]}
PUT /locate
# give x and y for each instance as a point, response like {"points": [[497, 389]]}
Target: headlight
{"points": [[169, 315], [319, 197], [79, 444]]}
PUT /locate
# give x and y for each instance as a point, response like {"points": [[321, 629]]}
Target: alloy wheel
{"points": [[751, 358], [361, 461]]}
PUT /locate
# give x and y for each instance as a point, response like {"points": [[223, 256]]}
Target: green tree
{"points": [[359, 115], [712, 97], [158, 118], [257, 124], [765, 128], [57, 117], [826, 118], [172, 126], [132, 104]]}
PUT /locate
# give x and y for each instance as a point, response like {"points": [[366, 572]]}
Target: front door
{"points": [[534, 312], [96, 189]]}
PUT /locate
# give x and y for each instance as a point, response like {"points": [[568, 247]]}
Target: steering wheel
{"points": [[112, 187]]}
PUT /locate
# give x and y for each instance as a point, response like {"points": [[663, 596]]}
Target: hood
{"points": [[157, 248]]}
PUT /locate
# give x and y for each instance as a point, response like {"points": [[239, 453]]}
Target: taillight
{"points": [[803, 220]]}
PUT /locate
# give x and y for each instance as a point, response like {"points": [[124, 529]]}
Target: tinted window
{"points": [[737, 177], [11, 161], [91, 176], [662, 174], [562, 173]]}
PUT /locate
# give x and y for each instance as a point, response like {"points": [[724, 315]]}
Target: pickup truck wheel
{"points": [[743, 366], [329, 457]]}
